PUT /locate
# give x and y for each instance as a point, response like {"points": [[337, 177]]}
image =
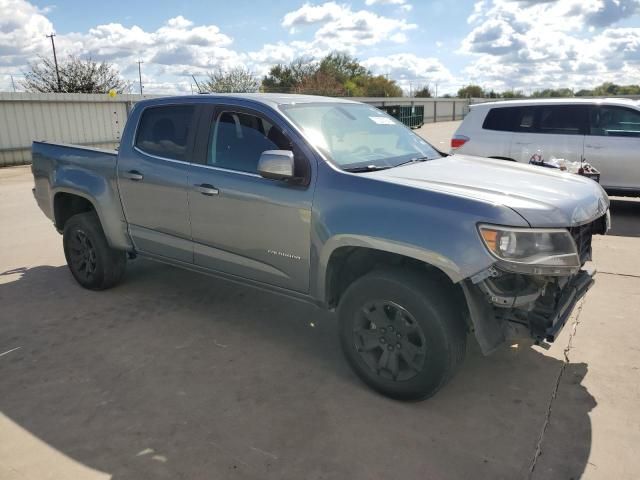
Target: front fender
{"points": [[429, 257]]}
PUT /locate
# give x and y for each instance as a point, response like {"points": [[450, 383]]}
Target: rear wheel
{"points": [[93, 263], [401, 333]]}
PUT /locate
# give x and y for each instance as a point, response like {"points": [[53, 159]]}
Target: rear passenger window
{"points": [[562, 119], [510, 119], [615, 122], [164, 131], [238, 140], [499, 119]]}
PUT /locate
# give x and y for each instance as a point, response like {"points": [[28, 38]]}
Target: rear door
{"points": [[549, 131], [244, 224], [153, 185], [613, 145]]}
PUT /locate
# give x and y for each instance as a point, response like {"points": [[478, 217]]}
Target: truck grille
{"points": [[582, 236]]}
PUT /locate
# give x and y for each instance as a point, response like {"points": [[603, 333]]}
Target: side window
{"points": [[523, 118], [238, 140], [562, 119], [615, 122], [164, 131], [500, 119]]}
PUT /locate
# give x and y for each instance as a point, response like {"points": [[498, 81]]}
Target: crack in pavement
{"points": [[554, 393], [632, 275]]}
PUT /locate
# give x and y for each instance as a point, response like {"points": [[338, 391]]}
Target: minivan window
{"points": [[238, 140], [562, 119], [615, 121], [164, 131], [500, 119]]}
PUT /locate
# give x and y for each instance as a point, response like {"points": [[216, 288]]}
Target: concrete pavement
{"points": [[177, 375]]}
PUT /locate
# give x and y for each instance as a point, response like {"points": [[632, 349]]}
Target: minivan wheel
{"points": [[400, 333], [92, 262]]}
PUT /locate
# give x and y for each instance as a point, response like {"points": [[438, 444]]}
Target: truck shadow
{"points": [[177, 375], [625, 217]]}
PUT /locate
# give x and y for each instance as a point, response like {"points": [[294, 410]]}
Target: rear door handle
{"points": [[595, 147], [134, 175], [207, 189], [524, 143]]}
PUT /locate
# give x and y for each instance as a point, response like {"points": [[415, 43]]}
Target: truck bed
{"points": [[88, 172]]}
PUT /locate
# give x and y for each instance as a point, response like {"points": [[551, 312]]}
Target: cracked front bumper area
{"points": [[505, 306]]}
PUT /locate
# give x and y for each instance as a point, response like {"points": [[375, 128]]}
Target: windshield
{"points": [[354, 135]]}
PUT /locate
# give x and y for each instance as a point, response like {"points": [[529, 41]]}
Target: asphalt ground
{"points": [[177, 375]]}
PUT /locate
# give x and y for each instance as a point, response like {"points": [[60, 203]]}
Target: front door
{"points": [[613, 146], [243, 224], [152, 178]]}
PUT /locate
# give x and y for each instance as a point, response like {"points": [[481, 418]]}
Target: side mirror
{"points": [[276, 164]]}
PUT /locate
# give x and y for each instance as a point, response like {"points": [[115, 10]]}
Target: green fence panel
{"points": [[411, 115]]}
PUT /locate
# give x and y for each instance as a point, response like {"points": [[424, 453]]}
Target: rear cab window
{"points": [[166, 131]]}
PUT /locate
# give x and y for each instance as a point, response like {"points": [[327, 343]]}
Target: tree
{"points": [[513, 94], [424, 92], [553, 93], [288, 78], [76, 76], [471, 91], [342, 67], [380, 86], [321, 83], [236, 80]]}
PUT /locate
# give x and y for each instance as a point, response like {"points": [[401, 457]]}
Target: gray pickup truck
{"points": [[338, 204]]}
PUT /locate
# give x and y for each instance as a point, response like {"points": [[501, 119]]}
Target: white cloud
{"points": [[536, 44], [339, 27], [409, 69], [400, 3]]}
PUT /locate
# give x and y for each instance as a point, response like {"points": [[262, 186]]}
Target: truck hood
{"points": [[544, 197]]}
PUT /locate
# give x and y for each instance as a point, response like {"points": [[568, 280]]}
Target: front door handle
{"points": [[595, 147], [206, 189], [523, 143], [134, 175]]}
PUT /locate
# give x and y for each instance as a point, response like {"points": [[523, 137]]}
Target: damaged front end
{"points": [[518, 299]]}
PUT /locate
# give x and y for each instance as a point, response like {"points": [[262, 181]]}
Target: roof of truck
{"points": [[270, 99]]}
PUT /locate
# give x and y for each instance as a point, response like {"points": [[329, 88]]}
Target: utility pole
{"points": [[13, 83], [140, 62], [55, 59], [436, 90]]}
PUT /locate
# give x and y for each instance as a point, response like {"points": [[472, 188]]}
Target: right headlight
{"points": [[537, 251]]}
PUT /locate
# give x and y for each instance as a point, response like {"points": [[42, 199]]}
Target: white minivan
{"points": [[602, 132]]}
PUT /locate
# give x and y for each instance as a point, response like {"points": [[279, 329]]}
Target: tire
{"points": [[93, 263], [401, 333]]}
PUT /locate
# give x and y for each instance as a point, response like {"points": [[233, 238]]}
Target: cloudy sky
{"points": [[499, 44]]}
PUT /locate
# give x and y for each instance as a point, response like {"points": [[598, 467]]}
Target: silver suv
{"points": [[605, 133]]}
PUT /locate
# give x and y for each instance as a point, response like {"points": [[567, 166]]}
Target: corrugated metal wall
{"points": [[98, 120], [95, 120]]}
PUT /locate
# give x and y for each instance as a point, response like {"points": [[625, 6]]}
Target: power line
{"points": [[55, 59]]}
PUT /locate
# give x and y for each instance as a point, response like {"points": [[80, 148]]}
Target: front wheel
{"points": [[401, 333], [93, 263]]}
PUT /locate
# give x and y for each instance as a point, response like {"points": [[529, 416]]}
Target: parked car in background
{"points": [[604, 133], [335, 203]]}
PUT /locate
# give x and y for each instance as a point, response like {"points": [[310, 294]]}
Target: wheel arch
{"points": [[345, 258], [69, 203]]}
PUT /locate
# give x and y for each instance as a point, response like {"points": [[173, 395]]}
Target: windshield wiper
{"points": [[413, 160], [366, 168]]}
